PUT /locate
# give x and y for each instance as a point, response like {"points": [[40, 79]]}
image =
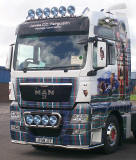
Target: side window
{"points": [[111, 54], [23, 51]]}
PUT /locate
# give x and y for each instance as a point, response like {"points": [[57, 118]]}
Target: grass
{"points": [[133, 97]]}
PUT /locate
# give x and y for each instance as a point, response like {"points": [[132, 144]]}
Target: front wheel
{"points": [[111, 135]]}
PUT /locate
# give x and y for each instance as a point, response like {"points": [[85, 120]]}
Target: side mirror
{"points": [[9, 57], [100, 55]]}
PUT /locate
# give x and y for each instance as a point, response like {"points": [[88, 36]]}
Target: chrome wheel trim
{"points": [[112, 134]]}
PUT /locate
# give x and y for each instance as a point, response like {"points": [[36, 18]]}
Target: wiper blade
{"points": [[63, 67], [25, 69]]}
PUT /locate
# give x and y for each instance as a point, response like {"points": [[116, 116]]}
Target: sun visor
{"points": [[63, 24]]}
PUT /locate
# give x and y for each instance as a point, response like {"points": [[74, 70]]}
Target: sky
{"points": [[14, 12]]}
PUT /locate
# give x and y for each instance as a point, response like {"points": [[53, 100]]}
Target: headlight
{"points": [[71, 10], [79, 118], [46, 12], [53, 120], [37, 119], [29, 119], [45, 120], [39, 13], [62, 10], [31, 14], [54, 11]]}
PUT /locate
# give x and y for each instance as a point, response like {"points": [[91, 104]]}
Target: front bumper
{"points": [[64, 138], [59, 146]]}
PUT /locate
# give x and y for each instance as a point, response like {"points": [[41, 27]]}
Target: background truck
{"points": [[70, 80]]}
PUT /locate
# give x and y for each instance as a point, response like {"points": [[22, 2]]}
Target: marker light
{"points": [[62, 10], [53, 120], [46, 12], [71, 10], [45, 120], [39, 13], [31, 14], [29, 119], [54, 11], [37, 119]]}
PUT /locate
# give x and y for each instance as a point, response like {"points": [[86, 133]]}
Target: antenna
{"points": [[85, 11]]}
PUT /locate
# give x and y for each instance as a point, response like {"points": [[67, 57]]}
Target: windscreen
{"points": [[50, 52]]}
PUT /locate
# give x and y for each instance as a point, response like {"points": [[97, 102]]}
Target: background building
{"points": [[4, 81]]}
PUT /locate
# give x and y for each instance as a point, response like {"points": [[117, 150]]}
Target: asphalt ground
{"points": [[10, 151]]}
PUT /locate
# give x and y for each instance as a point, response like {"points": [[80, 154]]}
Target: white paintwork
{"points": [[11, 92]]}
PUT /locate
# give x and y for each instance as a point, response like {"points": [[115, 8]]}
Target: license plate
{"points": [[44, 140]]}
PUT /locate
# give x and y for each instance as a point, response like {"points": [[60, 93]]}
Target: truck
{"points": [[70, 80]]}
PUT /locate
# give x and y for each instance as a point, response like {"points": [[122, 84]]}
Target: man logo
{"points": [[44, 93]]}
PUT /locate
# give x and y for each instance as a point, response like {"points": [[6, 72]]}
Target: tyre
{"points": [[111, 135]]}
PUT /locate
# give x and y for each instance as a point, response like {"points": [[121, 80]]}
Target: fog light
{"points": [[29, 119], [37, 119], [45, 120], [53, 120]]}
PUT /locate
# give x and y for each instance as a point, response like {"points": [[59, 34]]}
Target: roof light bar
{"points": [[54, 11]]}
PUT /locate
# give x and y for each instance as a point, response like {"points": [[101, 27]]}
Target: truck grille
{"points": [[46, 93]]}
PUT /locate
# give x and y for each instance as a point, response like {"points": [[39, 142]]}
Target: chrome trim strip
{"points": [[46, 84], [43, 113], [59, 146]]}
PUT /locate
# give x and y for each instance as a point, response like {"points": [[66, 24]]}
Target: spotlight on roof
{"points": [[31, 14], [62, 11], [46, 12], [39, 13], [54, 11], [71, 10]]}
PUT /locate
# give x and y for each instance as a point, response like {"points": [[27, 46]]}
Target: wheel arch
{"points": [[120, 121]]}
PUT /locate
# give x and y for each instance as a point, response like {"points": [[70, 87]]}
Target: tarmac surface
{"points": [[10, 151]]}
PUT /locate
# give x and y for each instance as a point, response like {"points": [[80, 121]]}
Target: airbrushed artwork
{"points": [[108, 84]]}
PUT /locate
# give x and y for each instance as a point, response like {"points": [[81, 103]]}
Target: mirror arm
{"points": [[93, 39], [92, 73]]}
